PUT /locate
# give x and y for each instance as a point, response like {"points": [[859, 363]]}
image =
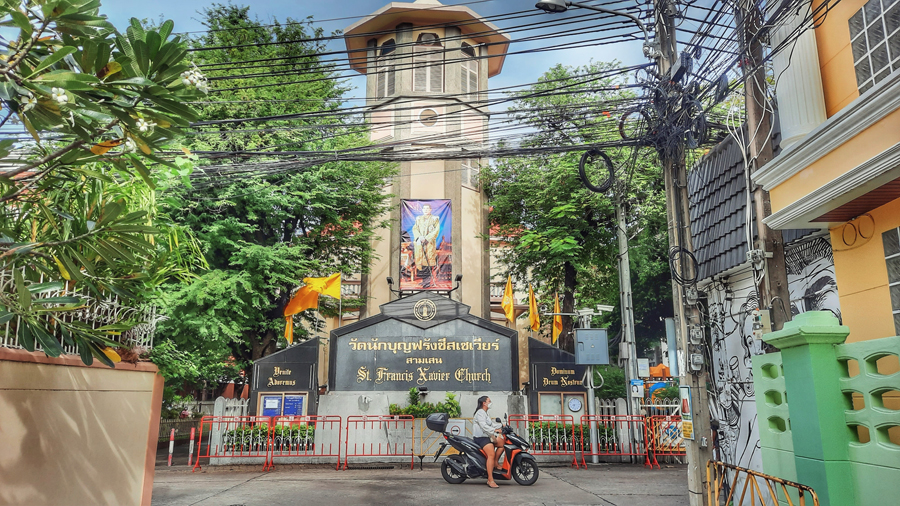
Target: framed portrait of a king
{"points": [[426, 231]]}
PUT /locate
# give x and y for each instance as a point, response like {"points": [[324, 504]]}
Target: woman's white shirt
{"points": [[483, 426]]}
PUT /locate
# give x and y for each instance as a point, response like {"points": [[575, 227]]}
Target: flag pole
{"points": [[341, 311], [317, 314]]}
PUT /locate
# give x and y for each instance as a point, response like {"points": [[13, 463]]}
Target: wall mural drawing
{"points": [[812, 286]]}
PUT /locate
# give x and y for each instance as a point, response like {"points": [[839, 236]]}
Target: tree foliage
{"points": [[613, 382], [77, 200], [262, 234], [561, 236], [185, 370]]}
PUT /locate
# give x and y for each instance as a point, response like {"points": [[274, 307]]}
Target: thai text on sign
{"points": [[424, 344]]}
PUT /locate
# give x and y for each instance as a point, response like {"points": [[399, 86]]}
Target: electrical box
{"points": [[624, 352], [762, 322], [691, 295], [591, 347], [682, 67], [643, 367], [757, 258], [695, 334], [696, 361]]}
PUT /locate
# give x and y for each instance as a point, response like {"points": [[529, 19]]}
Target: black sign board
{"points": [[293, 370], [425, 340], [558, 377]]}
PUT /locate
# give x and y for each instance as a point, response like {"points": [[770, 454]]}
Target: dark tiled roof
{"points": [[717, 185]]}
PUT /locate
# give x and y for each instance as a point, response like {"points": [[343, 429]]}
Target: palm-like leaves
{"points": [[71, 226]]}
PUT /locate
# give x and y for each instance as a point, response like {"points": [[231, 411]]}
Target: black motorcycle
{"points": [[471, 462]]}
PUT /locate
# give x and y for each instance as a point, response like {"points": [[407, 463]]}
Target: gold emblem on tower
{"points": [[424, 310]]}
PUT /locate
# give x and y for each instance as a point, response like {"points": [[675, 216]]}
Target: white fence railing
{"points": [[656, 408], [96, 313], [231, 407]]}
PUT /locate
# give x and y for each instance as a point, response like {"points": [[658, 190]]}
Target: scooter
{"points": [[471, 462]]}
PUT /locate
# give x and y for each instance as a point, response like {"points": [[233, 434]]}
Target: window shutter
{"points": [[420, 75], [390, 80], [380, 81], [469, 77], [436, 69], [428, 74], [464, 78]]}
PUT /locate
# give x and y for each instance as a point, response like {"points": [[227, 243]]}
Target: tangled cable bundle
{"points": [[677, 255]]}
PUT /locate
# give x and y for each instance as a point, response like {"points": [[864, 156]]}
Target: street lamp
{"points": [[651, 48]]}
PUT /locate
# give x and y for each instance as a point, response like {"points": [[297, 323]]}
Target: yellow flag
{"points": [[557, 321], [304, 299], [533, 316], [509, 302], [330, 286]]}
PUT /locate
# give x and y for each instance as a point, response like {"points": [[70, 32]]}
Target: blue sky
{"points": [[518, 69]]}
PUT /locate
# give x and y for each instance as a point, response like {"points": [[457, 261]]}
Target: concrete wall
{"points": [[76, 435], [863, 279], [376, 403]]}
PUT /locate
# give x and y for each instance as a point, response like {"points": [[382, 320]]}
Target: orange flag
{"points": [[533, 316], [557, 321], [330, 286], [509, 302], [304, 299]]}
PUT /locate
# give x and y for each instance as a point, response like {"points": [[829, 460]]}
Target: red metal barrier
{"points": [[666, 437], [617, 436], [547, 434], [372, 437], [235, 437], [305, 436]]}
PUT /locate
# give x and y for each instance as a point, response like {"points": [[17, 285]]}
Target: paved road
{"points": [[613, 484]]}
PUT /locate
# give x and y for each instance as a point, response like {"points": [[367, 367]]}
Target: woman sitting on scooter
{"points": [[482, 431]]}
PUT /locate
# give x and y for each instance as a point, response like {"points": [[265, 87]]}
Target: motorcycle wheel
{"points": [[525, 471], [450, 475]]}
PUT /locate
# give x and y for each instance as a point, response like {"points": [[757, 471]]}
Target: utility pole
{"points": [[687, 316], [773, 288], [585, 316], [627, 348]]}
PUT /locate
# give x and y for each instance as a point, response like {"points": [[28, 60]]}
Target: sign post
{"points": [[637, 388], [687, 412]]}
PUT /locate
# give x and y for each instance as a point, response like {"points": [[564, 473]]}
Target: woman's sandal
{"points": [[493, 485]]}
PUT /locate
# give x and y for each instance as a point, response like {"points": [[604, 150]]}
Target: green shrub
{"points": [[420, 409], [669, 392], [553, 433], [247, 435]]}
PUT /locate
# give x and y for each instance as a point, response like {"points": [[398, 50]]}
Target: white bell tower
{"points": [[427, 67]]}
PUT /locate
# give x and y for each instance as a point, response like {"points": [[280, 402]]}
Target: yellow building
{"points": [[839, 107]]}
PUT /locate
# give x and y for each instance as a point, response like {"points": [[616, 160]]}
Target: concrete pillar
{"points": [[817, 421], [801, 101]]}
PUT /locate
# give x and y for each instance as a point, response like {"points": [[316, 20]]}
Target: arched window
{"points": [[428, 59], [384, 68], [468, 74]]}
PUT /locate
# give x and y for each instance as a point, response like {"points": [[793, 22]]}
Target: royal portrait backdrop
{"points": [[425, 245]]}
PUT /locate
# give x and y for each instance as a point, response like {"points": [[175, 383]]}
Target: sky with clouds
{"points": [[338, 14]]}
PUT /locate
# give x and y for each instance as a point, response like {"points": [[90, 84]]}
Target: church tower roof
{"points": [[426, 13]]}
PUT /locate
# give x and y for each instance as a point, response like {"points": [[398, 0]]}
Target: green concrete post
{"points": [[817, 405]]}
